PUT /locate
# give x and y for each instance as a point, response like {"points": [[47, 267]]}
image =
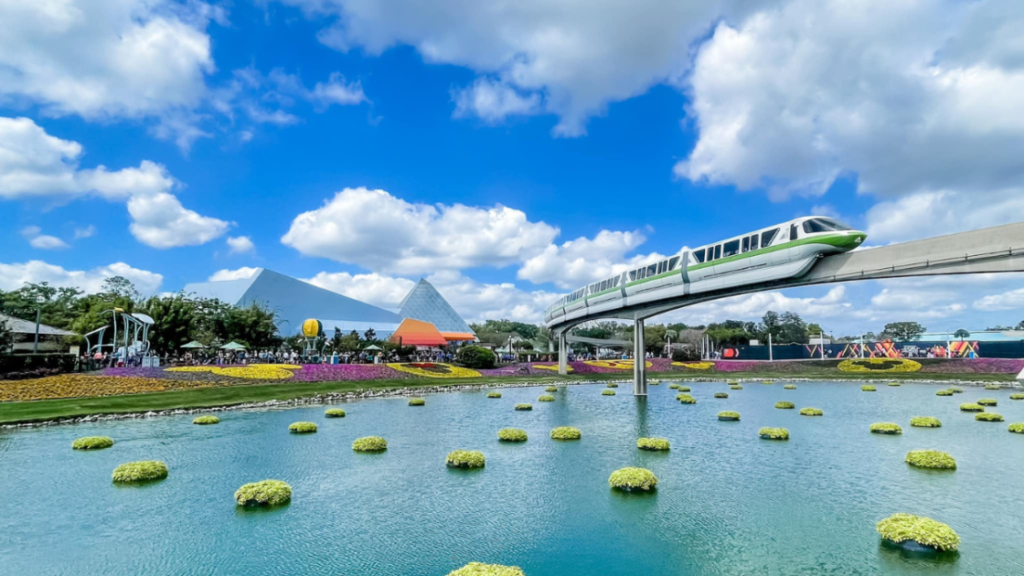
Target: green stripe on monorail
{"points": [[839, 240], [603, 292]]}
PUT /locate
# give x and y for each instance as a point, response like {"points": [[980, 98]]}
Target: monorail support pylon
{"points": [[639, 360], [563, 365]]}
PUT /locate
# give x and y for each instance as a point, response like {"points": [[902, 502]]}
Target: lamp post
{"points": [[39, 311]]}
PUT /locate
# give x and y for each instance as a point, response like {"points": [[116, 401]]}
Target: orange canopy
{"points": [[417, 333], [458, 336]]}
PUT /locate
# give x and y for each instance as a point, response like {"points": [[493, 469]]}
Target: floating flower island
{"points": [[633, 479], [918, 533], [264, 493]]}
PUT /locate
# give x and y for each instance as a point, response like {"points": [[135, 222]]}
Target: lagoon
{"points": [[727, 502]]}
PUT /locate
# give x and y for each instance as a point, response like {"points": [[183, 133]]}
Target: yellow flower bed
{"points": [[615, 364], [879, 365], [79, 385], [251, 372], [434, 370], [695, 365], [552, 367]]}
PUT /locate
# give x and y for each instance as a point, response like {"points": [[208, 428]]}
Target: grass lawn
{"points": [[42, 410]]}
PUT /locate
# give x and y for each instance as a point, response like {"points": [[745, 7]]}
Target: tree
{"points": [[815, 329], [961, 334], [1020, 326], [370, 335], [525, 331], [119, 286], [770, 324], [904, 331], [6, 338], [670, 335], [793, 328]]}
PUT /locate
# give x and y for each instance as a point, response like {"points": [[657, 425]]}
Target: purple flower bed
{"points": [[975, 366], [344, 372], [140, 372]]}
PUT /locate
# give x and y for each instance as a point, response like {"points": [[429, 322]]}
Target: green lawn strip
{"points": [[42, 410]]}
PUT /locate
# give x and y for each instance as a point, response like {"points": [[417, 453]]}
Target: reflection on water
{"points": [[726, 503]]}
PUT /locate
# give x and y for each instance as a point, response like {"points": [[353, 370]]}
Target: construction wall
{"points": [[915, 349]]}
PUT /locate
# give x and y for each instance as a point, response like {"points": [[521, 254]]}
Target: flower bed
{"points": [[264, 493], [728, 416], [789, 387], [767, 433], [370, 444], [925, 422], [512, 435], [565, 433], [551, 389], [206, 420], [334, 413], [523, 407], [141, 471], [873, 365], [617, 365], [686, 399], [988, 402], [607, 392], [433, 370], [1016, 428], [783, 405], [867, 388], [92, 443], [630, 479], [944, 392], [721, 395], [494, 394], [302, 428], [245, 372], [653, 444], [971, 407], [973, 366], [886, 428], [465, 459], [988, 417], [347, 373], [545, 398], [695, 365], [553, 367], [931, 459], [82, 385], [811, 412], [417, 402], [478, 569], [900, 528]]}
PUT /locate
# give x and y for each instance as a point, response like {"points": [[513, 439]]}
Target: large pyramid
{"points": [[425, 303]]}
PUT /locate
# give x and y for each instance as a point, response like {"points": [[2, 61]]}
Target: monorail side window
{"points": [[731, 248], [792, 232], [746, 243], [698, 255], [632, 276], [652, 270], [753, 242], [768, 237], [718, 251], [673, 262]]}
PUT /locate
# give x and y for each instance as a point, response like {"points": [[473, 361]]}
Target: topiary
{"points": [[721, 395], [265, 493], [524, 406], [494, 394], [811, 412], [789, 387], [673, 386], [894, 383], [728, 416], [551, 389], [993, 387], [512, 435], [478, 569], [302, 428], [735, 387], [1016, 428], [925, 422], [886, 428], [141, 471], [630, 479], [612, 385], [971, 407], [607, 392], [773, 433], [545, 398], [931, 459], [465, 459], [334, 413], [900, 528], [475, 357], [944, 393], [988, 417], [1016, 396], [987, 402], [206, 420], [783, 405], [565, 433], [417, 402], [370, 444], [92, 443], [653, 444], [686, 399], [867, 388]]}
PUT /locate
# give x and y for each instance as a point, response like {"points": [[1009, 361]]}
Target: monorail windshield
{"points": [[824, 225]]}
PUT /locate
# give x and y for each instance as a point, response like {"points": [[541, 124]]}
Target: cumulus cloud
{"points": [[337, 91], [584, 260], [1011, 300], [833, 304], [240, 245], [85, 232], [376, 289], [944, 212], [37, 239], [34, 163], [237, 274], [14, 276], [493, 101], [378, 231]]}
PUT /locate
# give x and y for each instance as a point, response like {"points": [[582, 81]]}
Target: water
{"points": [[727, 502]]}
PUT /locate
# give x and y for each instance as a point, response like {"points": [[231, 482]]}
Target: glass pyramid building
{"points": [[425, 303]]}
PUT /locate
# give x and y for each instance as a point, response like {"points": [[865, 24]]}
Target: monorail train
{"points": [[787, 250]]}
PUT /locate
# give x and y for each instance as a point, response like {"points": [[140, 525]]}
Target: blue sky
{"points": [[506, 152]]}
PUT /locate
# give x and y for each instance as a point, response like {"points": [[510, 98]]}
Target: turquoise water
{"points": [[727, 502]]}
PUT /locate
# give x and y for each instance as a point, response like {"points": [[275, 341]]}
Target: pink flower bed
{"points": [[345, 372], [975, 366]]}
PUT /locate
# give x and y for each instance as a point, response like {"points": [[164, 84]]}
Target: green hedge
{"points": [[512, 435], [945, 392], [478, 569], [867, 388], [92, 443], [334, 413], [476, 357], [494, 394], [630, 479], [465, 459], [607, 392], [971, 407], [141, 471], [205, 420], [728, 416], [265, 493], [721, 395], [612, 385], [686, 399], [545, 398], [565, 433], [370, 444], [653, 444], [925, 531], [789, 387], [524, 406], [988, 417], [925, 422], [886, 428], [302, 428], [417, 402], [773, 433], [1016, 428], [783, 405], [988, 402], [811, 412], [931, 459], [551, 389]]}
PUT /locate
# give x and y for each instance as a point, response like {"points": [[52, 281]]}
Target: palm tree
{"points": [[669, 335]]}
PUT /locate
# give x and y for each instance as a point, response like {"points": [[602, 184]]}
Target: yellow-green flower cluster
{"points": [[879, 365], [1016, 428], [607, 392], [987, 401], [264, 493], [931, 459], [206, 420], [92, 443], [944, 392], [886, 428], [565, 433], [334, 413], [524, 406], [141, 471], [789, 387], [721, 395], [545, 398], [465, 459], [867, 388], [811, 412], [417, 402], [653, 444], [925, 531], [988, 417], [512, 435], [370, 444], [971, 407], [728, 416], [302, 428], [479, 569], [686, 399], [629, 479], [494, 394], [551, 389], [925, 422], [783, 405], [773, 433]]}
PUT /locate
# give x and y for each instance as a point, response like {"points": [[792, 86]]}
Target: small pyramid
{"points": [[425, 303]]}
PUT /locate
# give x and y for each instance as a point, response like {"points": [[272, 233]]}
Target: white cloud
{"points": [[383, 291], [240, 245], [337, 91], [237, 274], [584, 260], [85, 232], [13, 276], [105, 60], [493, 101], [752, 307], [36, 239], [928, 214], [376, 230], [34, 163], [1012, 300]]}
